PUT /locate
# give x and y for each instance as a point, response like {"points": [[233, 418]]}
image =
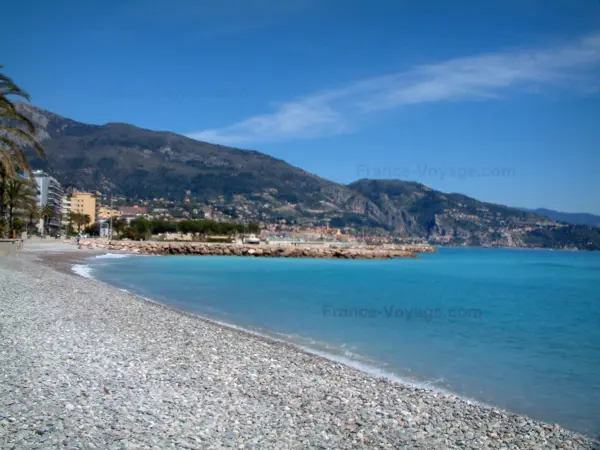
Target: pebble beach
{"points": [[86, 365]]}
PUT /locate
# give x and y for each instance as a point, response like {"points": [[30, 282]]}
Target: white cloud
{"points": [[294, 120], [478, 77]]}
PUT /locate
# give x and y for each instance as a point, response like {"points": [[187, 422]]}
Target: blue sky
{"points": [[499, 100]]}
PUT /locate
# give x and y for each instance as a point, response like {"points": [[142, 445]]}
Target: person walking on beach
{"points": [[79, 241]]}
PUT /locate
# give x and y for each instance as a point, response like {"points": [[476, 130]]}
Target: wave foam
{"points": [[374, 370], [113, 256], [83, 270]]}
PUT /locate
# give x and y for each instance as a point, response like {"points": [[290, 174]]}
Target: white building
{"points": [[65, 209], [50, 192]]}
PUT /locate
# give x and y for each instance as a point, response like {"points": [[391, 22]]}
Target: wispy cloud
{"points": [[487, 76]]}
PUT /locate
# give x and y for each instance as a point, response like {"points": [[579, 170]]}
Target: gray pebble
{"points": [[85, 365]]}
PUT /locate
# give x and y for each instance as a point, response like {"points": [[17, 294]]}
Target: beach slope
{"points": [[86, 365]]}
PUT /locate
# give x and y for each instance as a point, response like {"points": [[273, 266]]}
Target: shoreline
{"points": [[516, 248], [358, 362], [67, 263], [64, 262], [411, 408]]}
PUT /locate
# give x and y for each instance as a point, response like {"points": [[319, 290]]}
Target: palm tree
{"points": [[119, 226], [81, 220], [19, 193], [16, 133], [33, 213], [86, 220], [72, 218], [47, 213]]}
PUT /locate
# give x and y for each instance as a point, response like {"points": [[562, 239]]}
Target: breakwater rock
{"points": [[273, 251]]}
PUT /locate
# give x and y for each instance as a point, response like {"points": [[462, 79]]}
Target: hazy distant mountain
{"points": [[250, 185], [414, 209], [574, 218]]}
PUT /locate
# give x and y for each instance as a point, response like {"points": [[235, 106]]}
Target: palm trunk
{"points": [[10, 217], [30, 223], [2, 191]]}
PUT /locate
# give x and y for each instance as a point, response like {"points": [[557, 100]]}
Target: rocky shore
{"points": [[263, 250], [86, 365]]}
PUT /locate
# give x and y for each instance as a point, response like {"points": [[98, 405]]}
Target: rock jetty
{"points": [[273, 251]]}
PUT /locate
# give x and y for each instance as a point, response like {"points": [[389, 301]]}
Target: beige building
{"points": [[84, 203], [105, 213]]}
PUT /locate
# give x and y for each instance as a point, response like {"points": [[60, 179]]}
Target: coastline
{"points": [[69, 262], [64, 262], [348, 408]]}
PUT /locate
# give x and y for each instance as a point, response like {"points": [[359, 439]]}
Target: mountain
{"points": [[414, 208], [248, 185], [409, 208], [574, 218], [139, 163]]}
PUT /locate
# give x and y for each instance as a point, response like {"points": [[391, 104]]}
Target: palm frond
{"points": [[11, 113], [11, 156], [19, 191], [9, 87], [27, 137], [16, 130]]}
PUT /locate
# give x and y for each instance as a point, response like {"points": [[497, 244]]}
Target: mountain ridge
{"points": [[573, 218], [249, 185]]}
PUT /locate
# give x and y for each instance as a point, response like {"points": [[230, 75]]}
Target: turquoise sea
{"points": [[519, 329]]}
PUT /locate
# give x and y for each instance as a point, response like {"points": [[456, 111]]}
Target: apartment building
{"points": [[49, 192], [84, 203], [65, 210]]}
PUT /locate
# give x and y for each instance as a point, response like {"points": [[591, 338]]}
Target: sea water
{"points": [[518, 329]]}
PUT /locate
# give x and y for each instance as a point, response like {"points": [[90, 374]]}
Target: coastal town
{"points": [[63, 212], [48, 209]]}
